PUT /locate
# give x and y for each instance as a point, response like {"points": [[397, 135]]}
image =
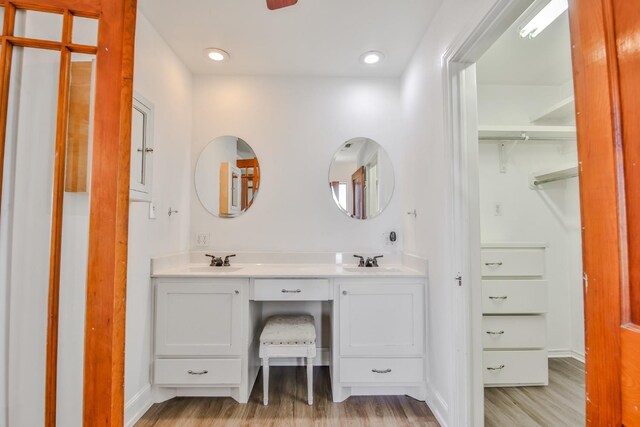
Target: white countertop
{"points": [[287, 270]]}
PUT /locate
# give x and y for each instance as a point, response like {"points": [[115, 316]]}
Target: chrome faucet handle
{"points": [[226, 260], [213, 260], [361, 263], [375, 260]]}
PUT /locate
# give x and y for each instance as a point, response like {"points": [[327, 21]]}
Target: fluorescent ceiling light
{"points": [[216, 54], [546, 16], [372, 57]]}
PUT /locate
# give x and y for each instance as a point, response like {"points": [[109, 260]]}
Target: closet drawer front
{"points": [[190, 372], [515, 367], [381, 370], [512, 262], [514, 296], [502, 332], [291, 290]]}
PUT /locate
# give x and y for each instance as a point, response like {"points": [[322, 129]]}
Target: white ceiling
{"points": [[544, 60], [313, 38]]}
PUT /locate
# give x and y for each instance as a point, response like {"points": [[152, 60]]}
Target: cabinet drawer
{"points": [[381, 370], [291, 290], [513, 332], [190, 372], [515, 367], [512, 262], [514, 296]]}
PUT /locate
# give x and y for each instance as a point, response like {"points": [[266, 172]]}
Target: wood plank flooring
{"points": [[288, 407], [562, 403]]}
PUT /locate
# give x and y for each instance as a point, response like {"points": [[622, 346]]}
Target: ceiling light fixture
{"points": [[372, 57], [544, 18], [216, 54]]}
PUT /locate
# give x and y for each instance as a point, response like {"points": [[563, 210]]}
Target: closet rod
{"points": [[531, 138], [557, 178]]}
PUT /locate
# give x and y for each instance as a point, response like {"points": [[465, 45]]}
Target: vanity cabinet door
{"points": [[381, 319], [198, 319]]}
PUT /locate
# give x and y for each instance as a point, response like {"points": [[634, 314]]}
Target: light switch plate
{"points": [[152, 210]]}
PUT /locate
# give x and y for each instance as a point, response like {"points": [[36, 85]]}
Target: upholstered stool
{"points": [[288, 336]]}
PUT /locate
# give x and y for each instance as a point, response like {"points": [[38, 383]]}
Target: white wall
{"points": [[161, 78], [427, 181], [295, 125]]}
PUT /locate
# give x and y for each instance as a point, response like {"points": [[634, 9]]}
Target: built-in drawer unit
{"points": [[523, 367], [513, 262], [509, 296], [514, 332], [197, 372], [381, 370], [291, 290]]}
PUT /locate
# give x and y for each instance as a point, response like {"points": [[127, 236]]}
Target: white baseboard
{"points": [[136, 407], [438, 406], [566, 353]]}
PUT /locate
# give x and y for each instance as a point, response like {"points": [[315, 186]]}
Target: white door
{"points": [[382, 319], [198, 319]]}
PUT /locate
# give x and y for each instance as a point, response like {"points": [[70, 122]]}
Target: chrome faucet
{"points": [[361, 263], [226, 260], [370, 262], [215, 261]]}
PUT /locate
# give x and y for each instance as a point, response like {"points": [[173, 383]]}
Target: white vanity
{"points": [[208, 319]]}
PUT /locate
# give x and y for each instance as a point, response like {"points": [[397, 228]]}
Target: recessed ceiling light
{"points": [[372, 57], [216, 54], [544, 18]]}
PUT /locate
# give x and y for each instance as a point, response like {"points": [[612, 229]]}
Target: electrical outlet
{"points": [[203, 239], [152, 210]]}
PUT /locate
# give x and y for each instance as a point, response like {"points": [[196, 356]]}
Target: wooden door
{"points": [[250, 170], [112, 48], [606, 59], [359, 199]]}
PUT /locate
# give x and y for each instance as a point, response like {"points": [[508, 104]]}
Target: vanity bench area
{"points": [[207, 321]]}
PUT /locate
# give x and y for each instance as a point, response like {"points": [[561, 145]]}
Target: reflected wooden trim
{"points": [[83, 8], [6, 56], [50, 45]]}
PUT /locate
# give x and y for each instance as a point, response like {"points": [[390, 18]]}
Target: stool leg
{"points": [[310, 380], [265, 380]]}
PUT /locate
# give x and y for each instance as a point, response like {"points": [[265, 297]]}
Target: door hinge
{"points": [[459, 279]]}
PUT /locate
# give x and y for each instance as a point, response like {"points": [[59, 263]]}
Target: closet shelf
{"points": [[566, 171], [515, 133], [561, 113]]}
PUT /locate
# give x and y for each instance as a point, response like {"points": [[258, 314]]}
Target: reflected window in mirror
{"points": [[227, 176], [361, 178]]}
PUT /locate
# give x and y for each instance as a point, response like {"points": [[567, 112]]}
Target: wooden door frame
{"points": [[360, 173], [103, 403]]}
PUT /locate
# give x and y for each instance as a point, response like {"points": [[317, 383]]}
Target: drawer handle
{"points": [[381, 371], [495, 333], [501, 298], [498, 368], [493, 264], [190, 372], [291, 291]]}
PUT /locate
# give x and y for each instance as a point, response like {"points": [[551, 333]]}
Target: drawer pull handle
{"points": [[493, 264], [190, 372], [495, 333], [498, 368], [290, 291], [501, 298], [381, 371]]}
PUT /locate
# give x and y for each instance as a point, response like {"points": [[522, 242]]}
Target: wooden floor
{"points": [[562, 403], [288, 407]]}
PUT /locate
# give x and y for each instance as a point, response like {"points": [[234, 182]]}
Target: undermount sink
{"points": [[370, 270], [208, 269]]}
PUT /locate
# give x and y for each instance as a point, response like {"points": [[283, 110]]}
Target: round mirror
{"points": [[227, 176], [361, 178]]}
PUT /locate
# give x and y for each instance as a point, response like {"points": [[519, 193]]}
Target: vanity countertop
{"points": [[287, 270]]}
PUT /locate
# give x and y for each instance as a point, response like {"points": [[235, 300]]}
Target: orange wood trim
{"points": [[84, 8], [5, 79], [78, 128], [56, 227], [51, 45], [103, 403], [599, 152], [630, 376]]}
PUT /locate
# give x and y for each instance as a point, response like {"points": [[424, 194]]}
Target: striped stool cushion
{"points": [[288, 330]]}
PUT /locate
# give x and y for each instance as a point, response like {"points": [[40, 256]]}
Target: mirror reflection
{"points": [[227, 176], [361, 178]]}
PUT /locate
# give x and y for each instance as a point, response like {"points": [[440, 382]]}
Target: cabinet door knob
{"points": [[493, 264], [345, 293], [237, 292], [291, 291], [495, 333], [502, 298], [190, 372], [381, 371]]}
